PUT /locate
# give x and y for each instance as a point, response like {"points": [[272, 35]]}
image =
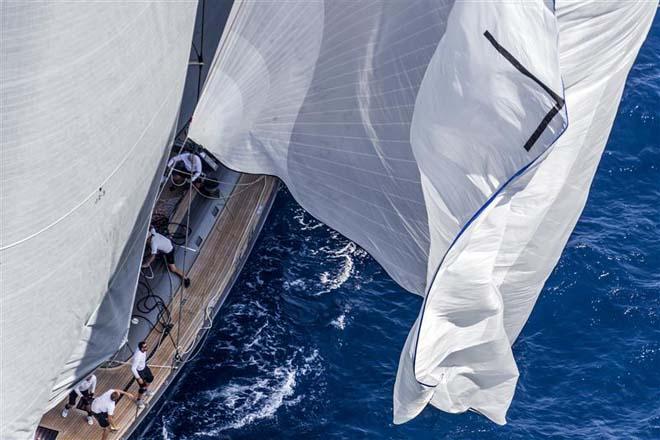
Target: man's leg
{"points": [[175, 270], [143, 388], [72, 400], [178, 272], [104, 436], [87, 403], [147, 377]]}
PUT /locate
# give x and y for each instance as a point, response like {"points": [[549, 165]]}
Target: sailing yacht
{"points": [[454, 141]]}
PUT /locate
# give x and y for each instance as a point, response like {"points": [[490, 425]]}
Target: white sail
{"points": [[328, 106], [90, 95], [422, 130], [491, 278]]}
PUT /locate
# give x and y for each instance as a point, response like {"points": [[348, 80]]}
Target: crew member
{"points": [[103, 408], [85, 391], [186, 164], [190, 164], [158, 243], [141, 372]]}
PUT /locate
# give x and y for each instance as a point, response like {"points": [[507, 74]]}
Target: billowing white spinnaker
{"points": [[90, 97], [489, 281], [431, 133]]}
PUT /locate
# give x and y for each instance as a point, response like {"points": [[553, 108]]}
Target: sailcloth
{"points": [[90, 96], [454, 141]]}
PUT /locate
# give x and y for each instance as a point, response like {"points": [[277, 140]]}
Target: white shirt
{"points": [[139, 362], [191, 161], [87, 384], [104, 404], [160, 243]]}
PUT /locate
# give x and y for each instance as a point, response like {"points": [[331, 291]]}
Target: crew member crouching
{"points": [[186, 164], [103, 408], [85, 391], [158, 243], [189, 164]]}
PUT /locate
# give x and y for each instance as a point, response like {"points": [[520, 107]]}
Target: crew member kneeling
{"points": [[103, 408], [141, 371]]}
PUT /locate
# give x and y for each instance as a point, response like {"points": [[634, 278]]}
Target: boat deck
{"points": [[213, 273]]}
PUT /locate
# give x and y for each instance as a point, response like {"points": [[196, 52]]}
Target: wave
{"points": [[254, 399]]}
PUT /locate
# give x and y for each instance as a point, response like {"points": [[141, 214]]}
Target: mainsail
{"points": [[436, 135], [90, 97]]}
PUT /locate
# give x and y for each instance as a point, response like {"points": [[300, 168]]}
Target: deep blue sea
{"points": [[308, 342]]}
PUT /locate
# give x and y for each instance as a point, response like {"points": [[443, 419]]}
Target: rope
{"points": [[177, 355], [208, 179], [149, 365], [209, 307]]}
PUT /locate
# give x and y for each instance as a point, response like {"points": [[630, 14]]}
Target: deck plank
{"points": [[211, 274]]}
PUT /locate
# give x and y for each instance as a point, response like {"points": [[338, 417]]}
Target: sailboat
{"points": [[454, 141]]}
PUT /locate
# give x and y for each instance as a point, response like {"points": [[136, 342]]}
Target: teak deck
{"points": [[218, 264]]}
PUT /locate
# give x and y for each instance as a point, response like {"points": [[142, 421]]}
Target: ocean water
{"points": [[308, 342]]}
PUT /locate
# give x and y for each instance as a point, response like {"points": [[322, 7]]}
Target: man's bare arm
{"points": [[149, 260]]}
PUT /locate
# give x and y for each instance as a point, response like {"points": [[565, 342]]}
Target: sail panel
{"points": [[90, 94]]}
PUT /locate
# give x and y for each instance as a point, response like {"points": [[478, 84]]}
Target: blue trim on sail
{"points": [[460, 233], [467, 225]]}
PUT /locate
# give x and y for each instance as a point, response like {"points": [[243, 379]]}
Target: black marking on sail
{"points": [[559, 101]]}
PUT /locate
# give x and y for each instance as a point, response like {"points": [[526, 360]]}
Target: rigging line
{"points": [[233, 191], [208, 179], [211, 303], [163, 308], [186, 126], [101, 185], [183, 281], [222, 197], [178, 353], [200, 54], [150, 365]]}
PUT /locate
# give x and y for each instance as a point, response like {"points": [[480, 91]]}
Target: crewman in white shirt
{"points": [[85, 391], [103, 408], [159, 244], [189, 164], [141, 371], [185, 164]]}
